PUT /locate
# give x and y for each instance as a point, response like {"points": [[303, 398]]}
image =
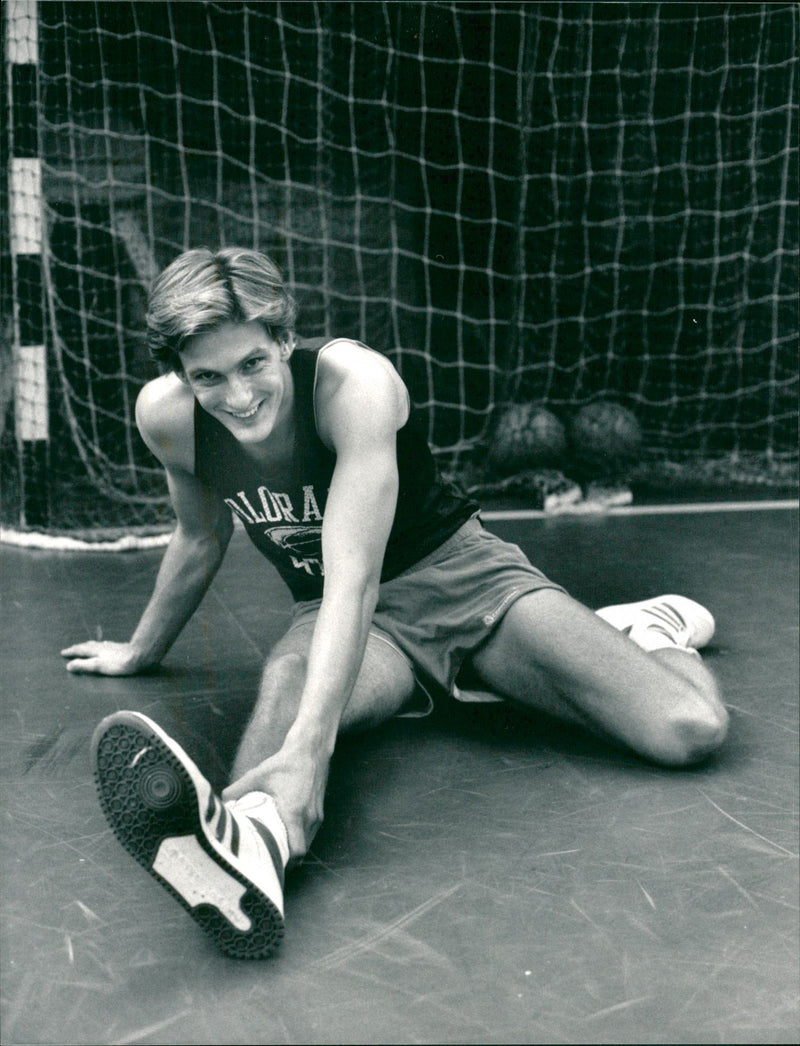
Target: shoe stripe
{"points": [[211, 809], [664, 618], [668, 615], [216, 817], [664, 632], [677, 613], [269, 841], [235, 835], [222, 823]]}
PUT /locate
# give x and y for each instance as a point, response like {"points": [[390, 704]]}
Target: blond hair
{"points": [[202, 289]]}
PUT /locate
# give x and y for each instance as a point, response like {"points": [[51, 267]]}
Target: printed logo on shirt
{"points": [[302, 541], [304, 545]]}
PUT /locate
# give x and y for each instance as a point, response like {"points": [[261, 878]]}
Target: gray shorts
{"points": [[439, 611]]}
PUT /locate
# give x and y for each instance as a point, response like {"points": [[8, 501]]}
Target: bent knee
{"points": [[696, 737], [692, 732]]}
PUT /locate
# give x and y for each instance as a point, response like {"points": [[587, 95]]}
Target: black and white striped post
{"points": [[26, 228]]}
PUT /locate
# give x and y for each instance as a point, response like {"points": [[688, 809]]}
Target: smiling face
{"points": [[241, 376]]}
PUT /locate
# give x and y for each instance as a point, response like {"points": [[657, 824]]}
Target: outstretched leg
{"points": [[554, 655], [384, 685]]}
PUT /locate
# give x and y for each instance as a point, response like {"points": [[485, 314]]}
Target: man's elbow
{"points": [[359, 585], [207, 544]]}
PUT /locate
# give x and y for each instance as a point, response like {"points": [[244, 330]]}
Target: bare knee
{"points": [[694, 729]]}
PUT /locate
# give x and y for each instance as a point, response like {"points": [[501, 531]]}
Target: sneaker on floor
{"points": [[604, 495], [224, 862], [662, 622]]}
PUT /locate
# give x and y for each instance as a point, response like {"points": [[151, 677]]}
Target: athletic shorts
{"points": [[440, 610]]}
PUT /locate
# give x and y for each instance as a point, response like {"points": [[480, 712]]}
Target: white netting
{"points": [[515, 201]]}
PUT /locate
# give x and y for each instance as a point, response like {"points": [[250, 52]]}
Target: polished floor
{"points": [[480, 878]]}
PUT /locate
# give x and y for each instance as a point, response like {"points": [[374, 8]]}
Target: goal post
{"points": [[24, 351], [516, 202]]}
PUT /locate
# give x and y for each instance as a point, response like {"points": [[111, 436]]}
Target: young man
{"points": [[397, 586]]}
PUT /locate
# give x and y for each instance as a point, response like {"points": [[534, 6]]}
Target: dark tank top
{"points": [[283, 511]]}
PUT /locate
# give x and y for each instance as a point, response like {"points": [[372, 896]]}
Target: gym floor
{"points": [[481, 877]]}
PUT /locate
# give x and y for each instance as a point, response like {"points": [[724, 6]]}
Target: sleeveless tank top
{"points": [[283, 512]]}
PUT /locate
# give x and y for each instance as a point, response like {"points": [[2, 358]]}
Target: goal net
{"points": [[515, 201]]}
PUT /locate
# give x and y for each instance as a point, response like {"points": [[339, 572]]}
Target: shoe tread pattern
{"points": [[140, 827]]}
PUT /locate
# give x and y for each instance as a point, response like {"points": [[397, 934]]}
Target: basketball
{"points": [[605, 440], [527, 436]]}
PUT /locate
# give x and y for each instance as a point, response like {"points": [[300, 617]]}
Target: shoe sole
{"points": [[151, 801]]}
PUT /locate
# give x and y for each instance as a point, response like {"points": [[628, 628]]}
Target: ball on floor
{"points": [[605, 440], [526, 436]]}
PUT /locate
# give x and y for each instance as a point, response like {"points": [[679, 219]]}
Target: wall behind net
{"points": [[528, 201]]}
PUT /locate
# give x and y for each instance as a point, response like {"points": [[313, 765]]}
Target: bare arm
{"points": [[358, 518], [193, 555], [359, 411]]}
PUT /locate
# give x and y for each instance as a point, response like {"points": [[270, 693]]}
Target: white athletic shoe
{"points": [[224, 862], [666, 621]]}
